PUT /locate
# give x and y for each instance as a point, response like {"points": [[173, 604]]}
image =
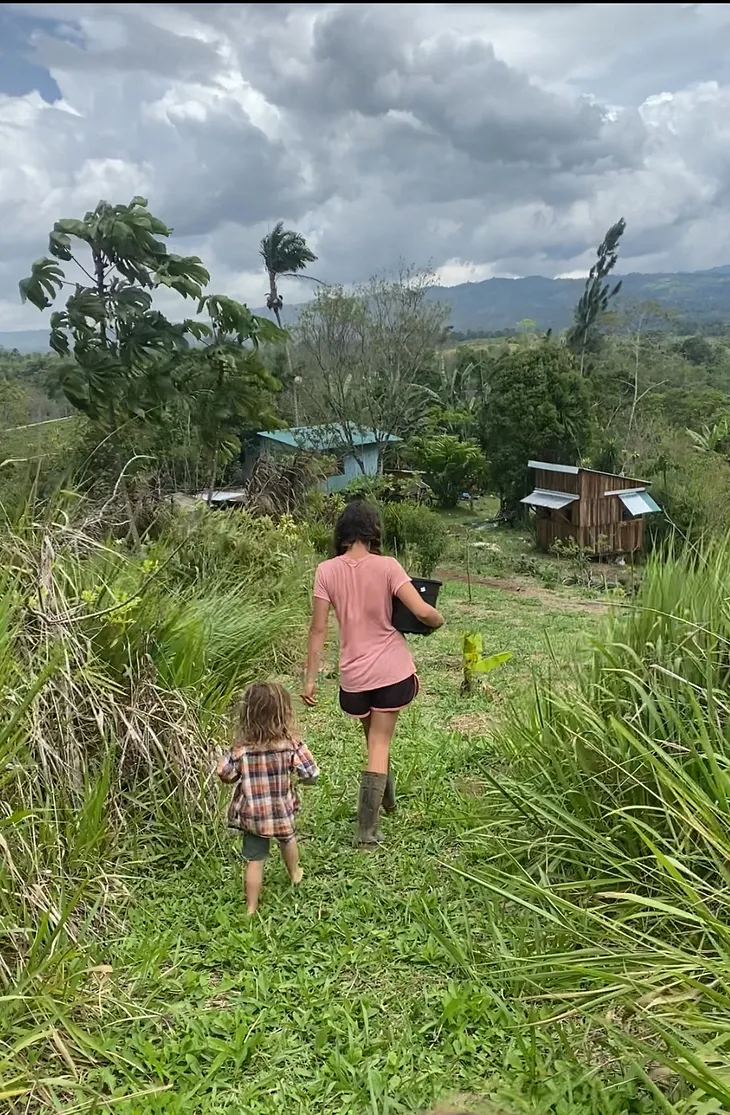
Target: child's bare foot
{"points": [[297, 876], [251, 910]]}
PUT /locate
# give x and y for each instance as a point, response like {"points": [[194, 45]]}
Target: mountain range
{"points": [[494, 304]]}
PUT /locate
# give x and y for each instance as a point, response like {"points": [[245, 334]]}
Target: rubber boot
{"points": [[389, 802], [372, 788]]}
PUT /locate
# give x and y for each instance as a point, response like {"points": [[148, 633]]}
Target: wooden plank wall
{"points": [[603, 528], [595, 521], [556, 481]]}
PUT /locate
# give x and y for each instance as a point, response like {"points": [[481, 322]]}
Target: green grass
{"points": [[359, 992], [485, 952]]}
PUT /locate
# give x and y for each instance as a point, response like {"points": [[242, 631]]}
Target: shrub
{"points": [[389, 489], [324, 507], [452, 466], [202, 544], [415, 534]]}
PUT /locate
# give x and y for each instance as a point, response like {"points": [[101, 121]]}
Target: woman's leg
{"points": [[379, 736], [365, 721]]}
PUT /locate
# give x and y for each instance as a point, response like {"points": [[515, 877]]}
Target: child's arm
{"points": [[228, 770], [305, 765]]}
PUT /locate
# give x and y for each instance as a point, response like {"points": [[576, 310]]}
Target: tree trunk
{"points": [[274, 300], [213, 471]]}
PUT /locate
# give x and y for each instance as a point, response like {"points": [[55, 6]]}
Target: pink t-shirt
{"points": [[372, 653]]}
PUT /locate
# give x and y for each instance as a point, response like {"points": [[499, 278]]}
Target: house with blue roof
{"points": [[357, 450]]}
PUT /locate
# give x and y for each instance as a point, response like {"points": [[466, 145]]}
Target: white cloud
{"points": [[486, 139]]}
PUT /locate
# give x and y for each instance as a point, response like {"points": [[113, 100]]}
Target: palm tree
{"points": [[285, 253]]}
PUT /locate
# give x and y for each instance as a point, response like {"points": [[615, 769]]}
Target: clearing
{"points": [[357, 993]]}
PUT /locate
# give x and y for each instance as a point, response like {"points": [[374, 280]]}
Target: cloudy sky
{"points": [[487, 139]]}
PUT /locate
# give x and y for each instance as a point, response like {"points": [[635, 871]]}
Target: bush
{"points": [[389, 489], [324, 507], [415, 535], [452, 466]]}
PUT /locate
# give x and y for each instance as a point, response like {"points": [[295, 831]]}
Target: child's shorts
{"points": [[256, 848]]}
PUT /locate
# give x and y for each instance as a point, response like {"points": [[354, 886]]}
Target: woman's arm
{"points": [[315, 645], [415, 603]]}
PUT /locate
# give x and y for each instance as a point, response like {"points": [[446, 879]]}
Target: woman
{"points": [[377, 673]]}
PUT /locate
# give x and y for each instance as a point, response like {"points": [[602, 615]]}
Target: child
{"points": [[265, 755]]}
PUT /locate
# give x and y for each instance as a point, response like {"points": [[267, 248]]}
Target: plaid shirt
{"points": [[264, 800]]}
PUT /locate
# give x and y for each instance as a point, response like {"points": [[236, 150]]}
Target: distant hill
{"points": [[25, 340], [697, 296]]}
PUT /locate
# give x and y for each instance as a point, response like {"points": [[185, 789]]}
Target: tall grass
{"points": [[116, 671], [613, 832]]}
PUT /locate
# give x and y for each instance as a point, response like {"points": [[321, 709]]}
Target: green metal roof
{"points": [[325, 437]]}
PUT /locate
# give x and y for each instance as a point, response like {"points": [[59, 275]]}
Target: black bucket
{"points": [[404, 620]]}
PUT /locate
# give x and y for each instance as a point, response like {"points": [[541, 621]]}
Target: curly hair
{"points": [[359, 522], [265, 713]]}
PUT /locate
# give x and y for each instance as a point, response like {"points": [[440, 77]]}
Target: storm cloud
{"points": [[486, 139]]}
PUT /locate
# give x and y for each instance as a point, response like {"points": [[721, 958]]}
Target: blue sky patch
{"points": [[19, 74]]}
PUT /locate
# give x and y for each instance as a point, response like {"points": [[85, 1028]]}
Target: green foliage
{"points": [[126, 353], [452, 466], [285, 253], [369, 355], [122, 347], [476, 663], [116, 673], [388, 489], [225, 392], [538, 408], [415, 535], [615, 827], [691, 487], [697, 350], [584, 336]]}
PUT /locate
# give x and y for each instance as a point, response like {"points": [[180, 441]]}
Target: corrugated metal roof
{"points": [[571, 470], [541, 497], [625, 491], [325, 437], [638, 503]]}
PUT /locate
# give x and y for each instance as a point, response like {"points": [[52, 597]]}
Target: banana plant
{"points": [[476, 662]]}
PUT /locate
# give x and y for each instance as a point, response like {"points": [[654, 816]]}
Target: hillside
{"points": [[697, 296]]}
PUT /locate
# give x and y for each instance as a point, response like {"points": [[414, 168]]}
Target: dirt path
{"points": [[555, 601]]}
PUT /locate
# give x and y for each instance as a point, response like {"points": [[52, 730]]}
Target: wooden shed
{"points": [[603, 513]]}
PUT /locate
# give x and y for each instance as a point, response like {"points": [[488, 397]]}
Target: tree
{"points": [[121, 358], [371, 355], [121, 346], [640, 319], [452, 466], [227, 388], [584, 336], [696, 350], [458, 393], [285, 254], [537, 407]]}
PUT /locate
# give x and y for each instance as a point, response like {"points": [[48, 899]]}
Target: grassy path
{"points": [[365, 990]]}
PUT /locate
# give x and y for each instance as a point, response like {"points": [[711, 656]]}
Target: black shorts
{"points": [[390, 698]]}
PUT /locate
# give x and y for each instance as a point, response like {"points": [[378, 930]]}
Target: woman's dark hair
{"points": [[359, 522]]}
